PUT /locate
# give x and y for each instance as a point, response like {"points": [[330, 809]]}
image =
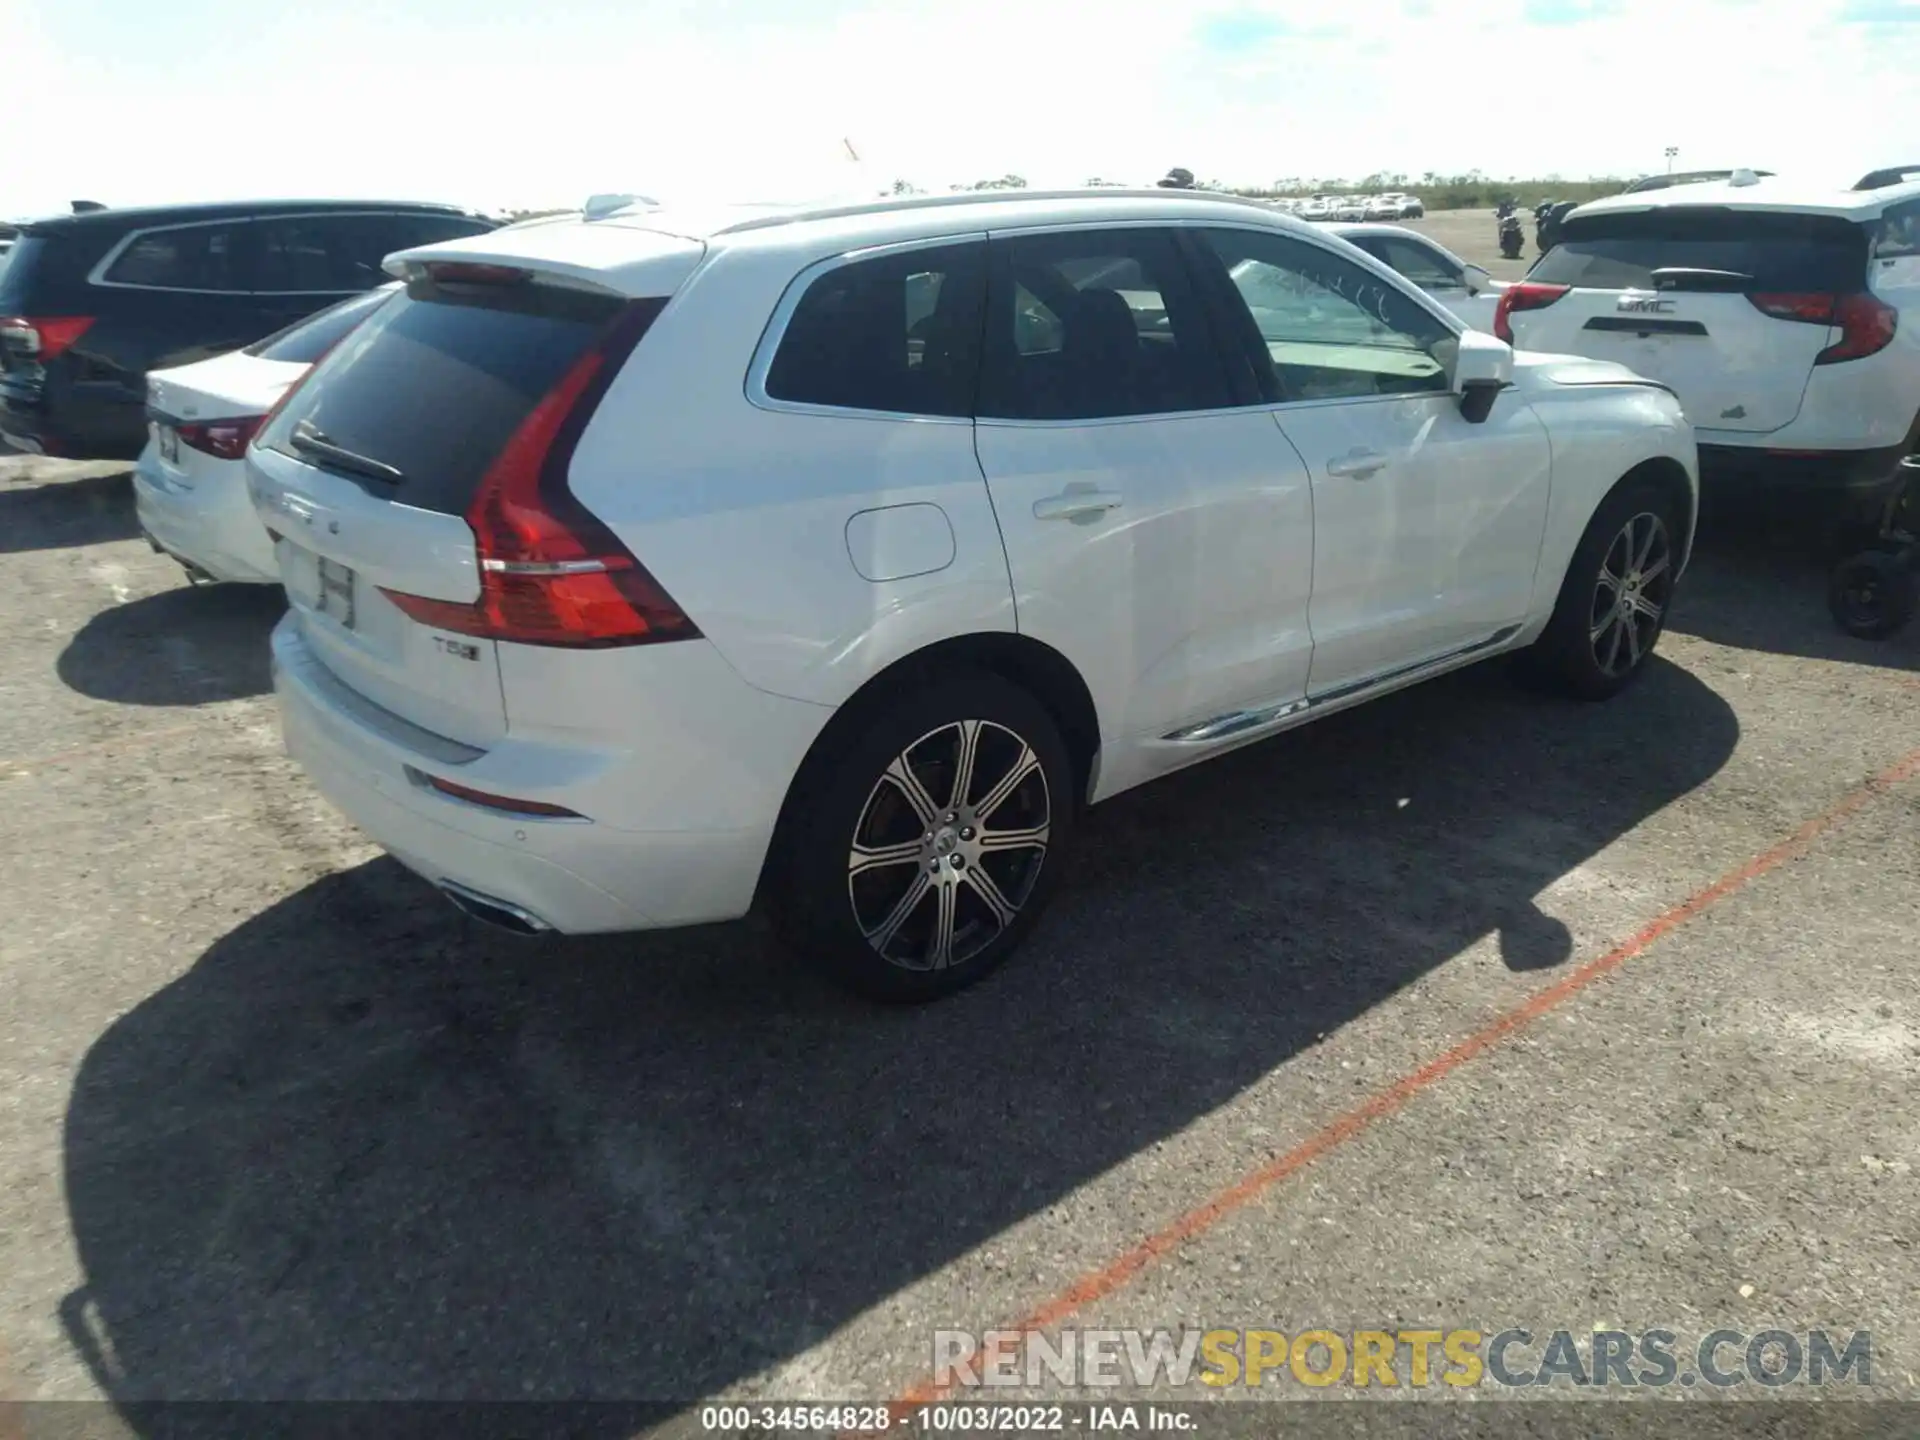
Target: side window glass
{"points": [[1096, 324], [898, 334], [1422, 266], [317, 254], [403, 232], [193, 257], [1328, 329], [1899, 236]]}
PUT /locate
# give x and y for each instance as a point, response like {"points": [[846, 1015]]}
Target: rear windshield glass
{"points": [[305, 341], [1781, 252], [434, 383]]}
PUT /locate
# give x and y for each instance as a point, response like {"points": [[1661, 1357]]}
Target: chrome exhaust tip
{"points": [[497, 913]]}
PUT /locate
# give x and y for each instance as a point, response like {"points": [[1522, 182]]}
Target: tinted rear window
{"points": [[435, 382], [1781, 252], [305, 341]]}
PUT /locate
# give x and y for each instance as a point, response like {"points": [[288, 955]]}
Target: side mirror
{"points": [[1482, 368], [1476, 279]]}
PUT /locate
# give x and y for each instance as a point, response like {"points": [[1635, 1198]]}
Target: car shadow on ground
{"points": [[66, 514], [1787, 557], [364, 1148], [194, 645]]}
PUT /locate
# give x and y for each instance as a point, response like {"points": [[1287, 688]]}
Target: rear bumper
{"points": [[1733, 470], [76, 422], [574, 876], [211, 526]]}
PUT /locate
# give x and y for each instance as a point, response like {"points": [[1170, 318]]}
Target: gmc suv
{"points": [[1786, 319]]}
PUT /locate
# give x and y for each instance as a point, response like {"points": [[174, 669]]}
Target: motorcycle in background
{"points": [[1511, 236], [1547, 221], [1540, 213]]}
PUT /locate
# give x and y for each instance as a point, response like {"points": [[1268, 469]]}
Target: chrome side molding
{"points": [[1237, 721], [1233, 723]]}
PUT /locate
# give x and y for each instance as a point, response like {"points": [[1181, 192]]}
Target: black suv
{"points": [[89, 302]]}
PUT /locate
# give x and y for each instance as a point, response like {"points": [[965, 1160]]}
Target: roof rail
{"points": [[1894, 175], [962, 198]]}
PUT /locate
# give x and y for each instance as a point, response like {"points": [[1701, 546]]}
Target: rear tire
{"points": [[925, 849], [1871, 594], [1614, 600]]}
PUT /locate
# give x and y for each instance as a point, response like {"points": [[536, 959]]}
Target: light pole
{"points": [[1672, 150]]}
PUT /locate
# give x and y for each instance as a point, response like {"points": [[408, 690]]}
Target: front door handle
{"points": [[1076, 504], [1357, 464]]}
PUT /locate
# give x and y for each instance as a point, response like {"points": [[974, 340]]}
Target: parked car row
{"points": [[644, 568], [1354, 208], [92, 301]]}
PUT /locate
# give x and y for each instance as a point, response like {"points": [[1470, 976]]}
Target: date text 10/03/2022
{"points": [[957, 1418]]}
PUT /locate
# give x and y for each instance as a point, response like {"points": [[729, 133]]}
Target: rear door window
{"points": [[1897, 236], [1707, 248], [896, 334], [436, 380], [1097, 324], [318, 254], [185, 257]]}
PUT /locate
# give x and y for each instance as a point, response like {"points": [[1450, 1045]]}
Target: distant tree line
{"points": [[1471, 191]]}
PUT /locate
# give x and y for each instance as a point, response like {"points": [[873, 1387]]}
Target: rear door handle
{"points": [[1075, 504], [1357, 464]]}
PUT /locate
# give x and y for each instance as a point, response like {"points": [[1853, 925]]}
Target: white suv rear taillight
{"points": [[1525, 295], [550, 572], [1867, 324]]}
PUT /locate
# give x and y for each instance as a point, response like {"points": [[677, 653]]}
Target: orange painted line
{"points": [[1099, 1284], [9, 769]]}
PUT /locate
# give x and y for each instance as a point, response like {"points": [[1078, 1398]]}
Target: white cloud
{"points": [[542, 105]]}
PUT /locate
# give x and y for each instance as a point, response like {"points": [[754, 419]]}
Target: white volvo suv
{"points": [[646, 565]]}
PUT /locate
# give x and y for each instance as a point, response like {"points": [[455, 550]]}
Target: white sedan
{"points": [[189, 486], [1463, 287]]}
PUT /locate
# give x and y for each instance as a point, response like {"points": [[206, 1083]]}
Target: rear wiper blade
{"points": [[309, 440], [1712, 282]]}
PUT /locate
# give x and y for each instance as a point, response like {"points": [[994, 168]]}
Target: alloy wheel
{"points": [[1631, 594], [949, 844]]}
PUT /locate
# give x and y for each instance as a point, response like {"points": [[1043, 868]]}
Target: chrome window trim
{"points": [[97, 275], [776, 327], [790, 298]]}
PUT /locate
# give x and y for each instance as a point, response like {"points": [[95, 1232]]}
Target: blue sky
{"points": [[543, 101]]}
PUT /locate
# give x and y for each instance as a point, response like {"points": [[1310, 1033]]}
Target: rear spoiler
{"points": [[625, 259]]}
